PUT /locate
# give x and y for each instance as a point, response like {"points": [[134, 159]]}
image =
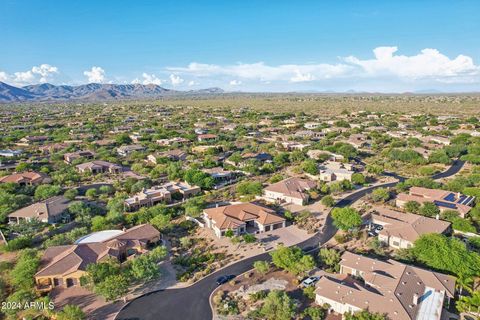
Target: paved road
{"points": [[192, 303]]}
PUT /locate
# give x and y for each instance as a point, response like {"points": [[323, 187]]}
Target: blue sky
{"points": [[386, 46]]}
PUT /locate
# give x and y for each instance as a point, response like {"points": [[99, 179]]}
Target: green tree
{"points": [[161, 221], [346, 218], [22, 275], [249, 188], [278, 306], [358, 178], [113, 287], [380, 195], [91, 194], [469, 303], [310, 166], [70, 194], [71, 312], [365, 315], [123, 138], [194, 206], [292, 259], [328, 201], [314, 313], [446, 254], [412, 206], [429, 209], [46, 191], [330, 258]]}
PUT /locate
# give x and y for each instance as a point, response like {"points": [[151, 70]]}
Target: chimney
{"points": [[437, 216], [415, 299]]}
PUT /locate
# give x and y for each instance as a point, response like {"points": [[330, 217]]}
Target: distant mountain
{"points": [[91, 91], [10, 93]]}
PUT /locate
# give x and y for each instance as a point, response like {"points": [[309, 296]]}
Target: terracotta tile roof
{"points": [[292, 187], [29, 176], [62, 260], [406, 226], [42, 210], [233, 216]]}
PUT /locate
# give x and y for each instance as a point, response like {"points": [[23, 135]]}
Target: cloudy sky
{"points": [[381, 46]]}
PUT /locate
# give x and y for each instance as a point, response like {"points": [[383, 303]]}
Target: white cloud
{"points": [[192, 83], [235, 82], [263, 72], [3, 76], [302, 77], [429, 63], [148, 79], [95, 75], [176, 79], [37, 74]]}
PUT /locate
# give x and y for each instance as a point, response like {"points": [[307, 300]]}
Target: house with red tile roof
{"points": [[28, 178], [63, 266], [291, 190], [400, 230], [242, 218]]}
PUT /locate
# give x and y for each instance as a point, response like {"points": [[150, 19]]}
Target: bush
{"points": [[249, 238], [19, 243], [328, 201], [262, 267], [429, 209], [380, 195]]}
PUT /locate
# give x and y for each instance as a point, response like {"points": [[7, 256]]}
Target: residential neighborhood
{"points": [[240, 160], [365, 217]]}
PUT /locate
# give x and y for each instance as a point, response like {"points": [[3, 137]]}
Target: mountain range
{"points": [[92, 92]]}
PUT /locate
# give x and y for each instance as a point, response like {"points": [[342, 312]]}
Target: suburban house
{"points": [[174, 155], [51, 210], [63, 266], [291, 145], [242, 218], [400, 230], [126, 150], [312, 125], [335, 171], [437, 139], [221, 176], [10, 153], [309, 134], [72, 156], [262, 157], [165, 193], [291, 190], [358, 140], [99, 166], [316, 154], [29, 178], [207, 137], [30, 140], [400, 291], [169, 142], [443, 199]]}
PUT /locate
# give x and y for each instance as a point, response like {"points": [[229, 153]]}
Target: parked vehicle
{"points": [[310, 281], [224, 279]]}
